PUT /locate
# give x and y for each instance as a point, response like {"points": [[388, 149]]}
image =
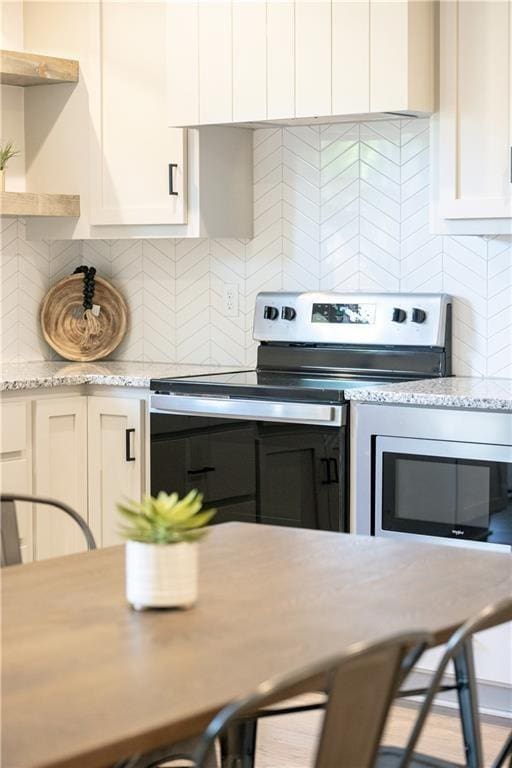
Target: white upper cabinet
{"points": [[140, 172], [280, 71], [350, 56], [182, 63], [257, 60], [249, 59], [215, 53], [474, 139], [402, 45], [313, 85], [108, 139]]}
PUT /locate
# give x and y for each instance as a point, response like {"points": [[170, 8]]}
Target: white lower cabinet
{"points": [[116, 462], [60, 472], [16, 466], [85, 450]]}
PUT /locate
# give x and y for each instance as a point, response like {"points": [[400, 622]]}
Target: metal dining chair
{"points": [[395, 757], [460, 653], [10, 550], [398, 757], [359, 686]]}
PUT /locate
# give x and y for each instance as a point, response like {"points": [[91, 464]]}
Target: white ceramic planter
{"points": [[161, 575]]}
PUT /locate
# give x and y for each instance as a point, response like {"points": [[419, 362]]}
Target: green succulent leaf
{"points": [[197, 521], [166, 519], [7, 151]]}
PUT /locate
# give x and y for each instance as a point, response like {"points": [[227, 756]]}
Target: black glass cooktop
{"points": [[268, 385]]}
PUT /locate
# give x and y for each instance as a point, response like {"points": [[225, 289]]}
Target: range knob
{"points": [[271, 313], [399, 315], [418, 315], [288, 313]]}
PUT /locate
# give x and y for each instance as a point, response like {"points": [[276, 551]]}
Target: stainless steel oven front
{"points": [[443, 489], [262, 461]]}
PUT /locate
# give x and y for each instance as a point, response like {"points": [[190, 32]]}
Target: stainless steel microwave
{"points": [[443, 489]]}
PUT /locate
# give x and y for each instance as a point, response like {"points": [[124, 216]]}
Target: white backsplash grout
{"points": [[335, 207]]}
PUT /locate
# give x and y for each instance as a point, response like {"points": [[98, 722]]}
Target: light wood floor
{"points": [[287, 742]]}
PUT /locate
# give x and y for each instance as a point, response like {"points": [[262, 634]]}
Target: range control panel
{"points": [[397, 319]]}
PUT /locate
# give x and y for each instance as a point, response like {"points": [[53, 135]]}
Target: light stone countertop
{"points": [[37, 375], [455, 392]]}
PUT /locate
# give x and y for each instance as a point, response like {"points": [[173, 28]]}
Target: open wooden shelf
{"points": [[38, 204], [19, 68]]}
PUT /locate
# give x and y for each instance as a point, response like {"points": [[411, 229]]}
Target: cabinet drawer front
{"points": [[13, 434]]}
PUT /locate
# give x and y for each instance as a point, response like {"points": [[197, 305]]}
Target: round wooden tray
{"points": [[66, 330]]}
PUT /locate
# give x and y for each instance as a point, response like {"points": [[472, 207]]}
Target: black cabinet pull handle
{"points": [[128, 434], [327, 476], [336, 477], [171, 178], [200, 471]]}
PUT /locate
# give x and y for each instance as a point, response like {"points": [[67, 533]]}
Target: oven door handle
{"points": [[251, 410]]}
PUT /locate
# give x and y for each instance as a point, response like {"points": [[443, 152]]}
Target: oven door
{"points": [[436, 488], [259, 465]]}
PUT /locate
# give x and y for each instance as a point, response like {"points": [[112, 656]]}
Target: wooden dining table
{"points": [[87, 681]]}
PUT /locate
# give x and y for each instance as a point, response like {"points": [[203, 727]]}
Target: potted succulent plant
{"points": [[7, 151], [162, 551]]}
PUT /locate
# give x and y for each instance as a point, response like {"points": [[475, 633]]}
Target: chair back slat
{"points": [[9, 535], [360, 695], [360, 686]]}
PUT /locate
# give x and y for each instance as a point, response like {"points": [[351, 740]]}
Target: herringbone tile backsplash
{"points": [[335, 207]]}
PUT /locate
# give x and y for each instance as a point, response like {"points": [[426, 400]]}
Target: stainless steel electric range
{"points": [[271, 445]]}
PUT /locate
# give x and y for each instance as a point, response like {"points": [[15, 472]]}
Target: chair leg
{"points": [[505, 752], [468, 704], [238, 745]]}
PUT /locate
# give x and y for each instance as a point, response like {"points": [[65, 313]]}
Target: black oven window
{"points": [[457, 498], [259, 472]]}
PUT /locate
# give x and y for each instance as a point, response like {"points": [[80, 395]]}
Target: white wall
{"points": [[336, 207], [12, 99]]}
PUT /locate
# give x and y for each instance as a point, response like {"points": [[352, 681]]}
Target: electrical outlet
{"points": [[230, 299]]}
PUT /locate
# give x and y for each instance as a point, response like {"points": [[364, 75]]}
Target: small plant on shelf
{"points": [[161, 551], [7, 152]]}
